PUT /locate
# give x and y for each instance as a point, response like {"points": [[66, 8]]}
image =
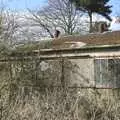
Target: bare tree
{"points": [[57, 14], [8, 27]]}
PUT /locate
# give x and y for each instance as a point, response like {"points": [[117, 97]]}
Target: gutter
{"points": [[84, 49], [73, 53]]}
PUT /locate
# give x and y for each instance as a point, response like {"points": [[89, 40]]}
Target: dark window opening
{"points": [[107, 73]]}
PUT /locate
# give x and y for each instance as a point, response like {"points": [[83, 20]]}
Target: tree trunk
{"points": [[90, 16]]}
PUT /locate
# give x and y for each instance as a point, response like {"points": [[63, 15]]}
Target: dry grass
{"points": [[60, 104]]}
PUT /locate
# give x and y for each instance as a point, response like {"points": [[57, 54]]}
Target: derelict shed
{"points": [[88, 61], [94, 59]]}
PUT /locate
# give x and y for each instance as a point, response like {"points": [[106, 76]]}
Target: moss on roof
{"points": [[92, 40], [46, 44], [107, 38]]}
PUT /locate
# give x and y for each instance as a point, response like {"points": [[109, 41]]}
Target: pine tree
{"points": [[94, 6]]}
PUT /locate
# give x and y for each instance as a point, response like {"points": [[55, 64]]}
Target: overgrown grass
{"points": [[62, 104]]}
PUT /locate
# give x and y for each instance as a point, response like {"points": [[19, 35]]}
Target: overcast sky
{"points": [[21, 5]]}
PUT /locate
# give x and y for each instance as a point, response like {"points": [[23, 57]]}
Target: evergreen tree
{"points": [[94, 6]]}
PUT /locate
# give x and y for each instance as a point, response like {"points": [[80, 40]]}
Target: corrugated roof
{"points": [[107, 38]]}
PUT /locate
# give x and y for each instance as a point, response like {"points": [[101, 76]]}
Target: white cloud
{"points": [[115, 26]]}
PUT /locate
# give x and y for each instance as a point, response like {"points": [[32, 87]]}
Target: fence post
{"points": [[1, 108], [62, 73]]}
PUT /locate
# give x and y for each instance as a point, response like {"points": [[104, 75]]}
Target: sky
{"points": [[21, 5]]}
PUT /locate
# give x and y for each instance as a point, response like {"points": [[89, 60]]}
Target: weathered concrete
{"points": [[71, 67]]}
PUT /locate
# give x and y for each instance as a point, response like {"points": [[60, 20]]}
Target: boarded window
{"points": [[107, 73]]}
